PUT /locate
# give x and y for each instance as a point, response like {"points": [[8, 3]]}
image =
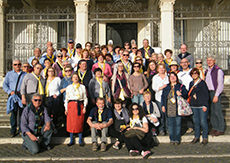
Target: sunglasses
{"points": [[135, 108], [136, 66], [125, 54], [37, 100], [134, 48], [68, 70], [19, 64], [59, 56], [198, 62]]}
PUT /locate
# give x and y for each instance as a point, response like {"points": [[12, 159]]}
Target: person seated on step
{"points": [[35, 126], [100, 118]]}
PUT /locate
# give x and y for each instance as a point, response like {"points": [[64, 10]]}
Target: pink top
{"points": [[107, 71]]}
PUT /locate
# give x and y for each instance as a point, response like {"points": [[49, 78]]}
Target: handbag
{"points": [[134, 132], [122, 94], [184, 108]]}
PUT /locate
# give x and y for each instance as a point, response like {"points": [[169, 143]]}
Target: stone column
{"points": [[2, 41], [167, 24], [81, 7]]}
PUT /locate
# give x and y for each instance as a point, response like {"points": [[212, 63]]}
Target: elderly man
{"points": [[37, 54], [185, 54], [71, 49], [35, 125], [49, 44], [50, 55], [215, 82], [31, 84], [12, 86], [146, 50], [126, 62]]}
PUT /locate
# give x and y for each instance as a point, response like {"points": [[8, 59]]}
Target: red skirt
{"points": [[74, 122]]}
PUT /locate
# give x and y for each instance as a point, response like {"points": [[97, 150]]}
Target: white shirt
{"points": [[158, 82], [185, 78], [74, 60], [54, 85], [73, 94], [138, 122]]}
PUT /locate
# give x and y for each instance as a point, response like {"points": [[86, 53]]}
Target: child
{"points": [[100, 118], [151, 111]]}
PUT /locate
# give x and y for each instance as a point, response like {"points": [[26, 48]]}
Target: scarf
{"points": [[190, 91], [124, 84], [125, 115], [51, 59], [202, 75], [133, 122], [126, 68], [81, 76], [47, 87], [39, 113], [150, 111], [60, 65], [72, 53], [102, 67], [100, 115], [100, 81], [146, 52], [40, 87]]}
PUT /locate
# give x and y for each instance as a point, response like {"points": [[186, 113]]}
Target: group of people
{"points": [[125, 92]]}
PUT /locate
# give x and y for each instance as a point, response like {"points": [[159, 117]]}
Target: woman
{"points": [[120, 120], [138, 84], [58, 64], [168, 59], [106, 69], [52, 92], [139, 60], [120, 86], [202, 70], [33, 63], [99, 88], [47, 64], [75, 108], [85, 56], [93, 55], [62, 73], [198, 97], [174, 67], [64, 52], [139, 54], [159, 82], [160, 58], [141, 142], [151, 71], [66, 80], [169, 107]]}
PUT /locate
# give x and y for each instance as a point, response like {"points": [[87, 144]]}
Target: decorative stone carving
{"points": [[167, 5]]}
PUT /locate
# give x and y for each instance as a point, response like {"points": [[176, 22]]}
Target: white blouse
{"points": [[73, 94], [54, 86], [158, 82]]}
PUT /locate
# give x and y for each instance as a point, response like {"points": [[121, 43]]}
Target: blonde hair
{"points": [[147, 93]]}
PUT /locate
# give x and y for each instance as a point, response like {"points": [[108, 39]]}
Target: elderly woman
{"points": [[198, 96], [99, 88], [52, 92], [120, 85], [169, 107], [58, 64], [105, 67], [66, 80], [75, 106]]}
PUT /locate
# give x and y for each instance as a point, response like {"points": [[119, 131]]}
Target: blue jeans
{"points": [[174, 127], [163, 119], [200, 119], [15, 119], [216, 114], [138, 99]]}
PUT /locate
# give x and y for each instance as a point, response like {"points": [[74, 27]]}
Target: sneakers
{"points": [[134, 153], [145, 154], [94, 147], [117, 145], [103, 147]]}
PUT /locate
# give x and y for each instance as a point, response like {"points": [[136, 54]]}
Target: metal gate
{"points": [[27, 29], [206, 31]]}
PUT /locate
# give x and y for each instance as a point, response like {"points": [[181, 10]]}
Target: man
{"points": [[126, 62], [31, 84], [133, 53], [76, 57], [100, 118], [146, 50], [185, 79], [35, 125], [215, 82], [71, 49], [49, 44], [37, 54], [97, 48], [12, 86], [50, 55], [26, 67], [185, 54]]}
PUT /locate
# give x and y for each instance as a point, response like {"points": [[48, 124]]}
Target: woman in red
{"points": [[75, 108]]}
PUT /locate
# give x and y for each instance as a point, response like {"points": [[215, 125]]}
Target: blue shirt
{"points": [[10, 81], [106, 114], [64, 83], [41, 60], [116, 57]]}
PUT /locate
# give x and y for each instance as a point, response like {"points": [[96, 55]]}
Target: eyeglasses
{"points": [[37, 100], [198, 62], [125, 54], [68, 70], [19, 64], [59, 56], [134, 48], [136, 66], [26, 66]]}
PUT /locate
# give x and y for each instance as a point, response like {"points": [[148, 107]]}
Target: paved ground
{"points": [[211, 153]]}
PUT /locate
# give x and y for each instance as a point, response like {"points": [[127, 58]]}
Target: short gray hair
{"points": [[211, 56], [36, 95], [16, 60]]}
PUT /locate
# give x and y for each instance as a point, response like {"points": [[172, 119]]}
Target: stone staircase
{"points": [[5, 119]]}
